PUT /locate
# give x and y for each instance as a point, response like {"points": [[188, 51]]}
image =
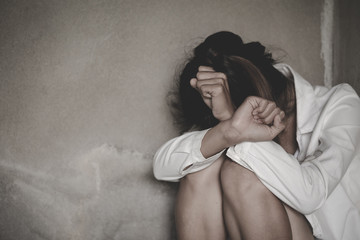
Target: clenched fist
{"points": [[214, 89]]}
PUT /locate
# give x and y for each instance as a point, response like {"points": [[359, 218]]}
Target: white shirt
{"points": [[322, 181]]}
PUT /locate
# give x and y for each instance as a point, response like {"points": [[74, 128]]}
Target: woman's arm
{"points": [[197, 150], [256, 119], [306, 186], [181, 156]]}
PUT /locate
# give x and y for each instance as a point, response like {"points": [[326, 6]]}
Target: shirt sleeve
{"points": [[180, 156], [305, 186]]}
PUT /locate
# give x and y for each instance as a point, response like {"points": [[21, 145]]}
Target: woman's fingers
{"points": [[210, 75], [278, 125], [193, 82], [266, 108], [270, 118], [214, 90], [249, 126], [206, 69], [205, 72], [208, 82], [259, 105], [208, 88], [266, 111], [214, 81], [211, 90]]}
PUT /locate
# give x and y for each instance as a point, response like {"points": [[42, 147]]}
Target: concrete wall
{"points": [[82, 104], [346, 43]]}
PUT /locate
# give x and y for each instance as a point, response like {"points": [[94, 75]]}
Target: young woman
{"points": [[264, 153]]}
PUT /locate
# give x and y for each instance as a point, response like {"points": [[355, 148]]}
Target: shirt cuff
{"points": [[195, 160], [238, 154]]}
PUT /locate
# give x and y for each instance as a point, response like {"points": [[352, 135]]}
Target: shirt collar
{"points": [[307, 109]]}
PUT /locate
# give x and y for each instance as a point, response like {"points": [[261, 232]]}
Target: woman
{"points": [[265, 152]]}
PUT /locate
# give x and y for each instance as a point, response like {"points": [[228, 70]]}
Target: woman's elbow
{"points": [[162, 174], [158, 171], [157, 174], [311, 202]]}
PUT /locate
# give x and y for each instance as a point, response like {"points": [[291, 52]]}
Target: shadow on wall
{"points": [[108, 193]]}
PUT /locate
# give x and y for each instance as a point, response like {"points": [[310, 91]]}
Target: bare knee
{"points": [[250, 209], [198, 211], [300, 227], [239, 182], [199, 181]]}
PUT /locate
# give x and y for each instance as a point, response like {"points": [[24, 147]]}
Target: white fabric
{"points": [[181, 156], [313, 183]]}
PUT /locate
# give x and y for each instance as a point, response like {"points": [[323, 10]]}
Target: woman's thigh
{"points": [[251, 211], [300, 227], [251, 208], [198, 213]]}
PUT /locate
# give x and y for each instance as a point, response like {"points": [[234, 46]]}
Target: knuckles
{"points": [[271, 104], [211, 75], [215, 89]]}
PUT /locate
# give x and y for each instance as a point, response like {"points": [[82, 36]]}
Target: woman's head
{"points": [[225, 43], [249, 70]]}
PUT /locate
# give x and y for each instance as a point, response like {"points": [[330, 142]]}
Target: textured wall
{"points": [[82, 104], [346, 43]]}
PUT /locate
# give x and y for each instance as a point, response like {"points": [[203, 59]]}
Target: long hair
{"points": [[249, 71]]}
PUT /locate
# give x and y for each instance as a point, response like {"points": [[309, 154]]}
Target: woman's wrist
{"points": [[230, 134], [213, 141], [219, 138], [226, 115]]}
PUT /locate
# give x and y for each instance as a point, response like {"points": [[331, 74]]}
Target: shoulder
{"points": [[342, 106], [343, 93], [345, 89]]}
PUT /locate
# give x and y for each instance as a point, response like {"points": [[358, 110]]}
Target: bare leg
{"points": [[251, 211], [198, 212], [300, 227]]}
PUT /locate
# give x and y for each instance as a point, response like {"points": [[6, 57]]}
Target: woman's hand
{"points": [[256, 119], [214, 89]]}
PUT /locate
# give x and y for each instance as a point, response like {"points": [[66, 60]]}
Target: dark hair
{"points": [[249, 70]]}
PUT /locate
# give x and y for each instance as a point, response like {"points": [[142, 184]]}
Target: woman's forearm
{"points": [[246, 124], [216, 139]]}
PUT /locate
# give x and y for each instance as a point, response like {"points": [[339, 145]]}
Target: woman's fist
{"points": [[214, 89], [257, 119]]}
